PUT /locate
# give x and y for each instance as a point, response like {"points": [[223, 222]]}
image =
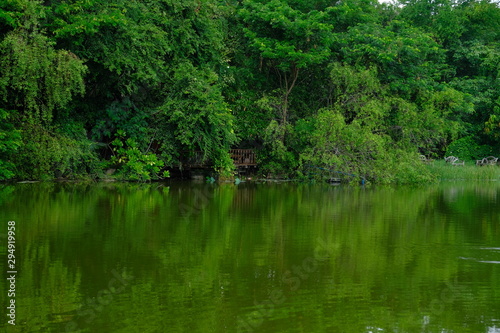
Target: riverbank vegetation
{"points": [[444, 171], [353, 86]]}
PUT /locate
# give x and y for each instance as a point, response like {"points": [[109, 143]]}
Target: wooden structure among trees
{"points": [[241, 158]]}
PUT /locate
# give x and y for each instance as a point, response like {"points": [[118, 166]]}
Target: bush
{"points": [[467, 148], [354, 149], [10, 140], [48, 154], [133, 164], [276, 158]]}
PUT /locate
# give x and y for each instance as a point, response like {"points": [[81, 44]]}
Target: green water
{"points": [[252, 258]]}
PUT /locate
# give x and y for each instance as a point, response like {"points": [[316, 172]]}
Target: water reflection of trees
{"points": [[392, 249]]}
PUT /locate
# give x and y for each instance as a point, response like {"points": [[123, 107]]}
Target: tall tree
{"points": [[36, 78], [287, 40], [37, 83], [153, 72]]}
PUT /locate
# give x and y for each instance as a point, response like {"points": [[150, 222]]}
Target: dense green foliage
{"points": [[353, 86]]}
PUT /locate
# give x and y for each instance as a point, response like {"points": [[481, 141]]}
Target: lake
{"points": [[274, 257]]}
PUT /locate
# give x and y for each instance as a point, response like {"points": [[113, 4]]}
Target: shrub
{"points": [[276, 157], [48, 154], [354, 149], [467, 148], [10, 140], [133, 164]]}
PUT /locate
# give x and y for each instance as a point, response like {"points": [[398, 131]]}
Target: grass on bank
{"points": [[470, 171]]}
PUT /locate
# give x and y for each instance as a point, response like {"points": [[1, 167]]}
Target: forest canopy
{"points": [[138, 86]]}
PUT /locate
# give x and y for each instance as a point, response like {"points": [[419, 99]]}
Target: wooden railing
{"points": [[241, 157]]}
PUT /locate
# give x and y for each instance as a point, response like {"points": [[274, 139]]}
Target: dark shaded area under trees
{"points": [[354, 85]]}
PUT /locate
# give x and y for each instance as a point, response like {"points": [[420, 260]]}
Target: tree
{"points": [[37, 83], [194, 116], [443, 18], [351, 148], [287, 40], [36, 78], [10, 140], [153, 70], [406, 58]]}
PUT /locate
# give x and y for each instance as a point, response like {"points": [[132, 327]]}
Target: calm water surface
{"points": [[253, 258]]}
